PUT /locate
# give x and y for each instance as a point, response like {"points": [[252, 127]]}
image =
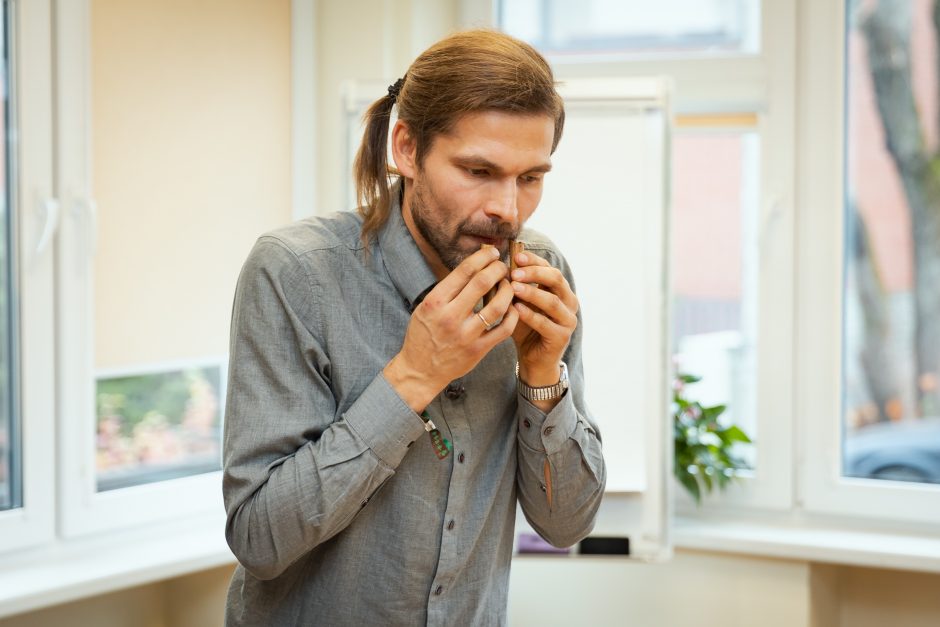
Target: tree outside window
{"points": [[892, 280]]}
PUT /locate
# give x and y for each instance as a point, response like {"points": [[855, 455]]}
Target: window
{"points": [[891, 372], [144, 152], [715, 203], [860, 394], [614, 26], [156, 425]]}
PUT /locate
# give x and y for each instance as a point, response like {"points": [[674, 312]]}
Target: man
{"points": [[380, 426]]}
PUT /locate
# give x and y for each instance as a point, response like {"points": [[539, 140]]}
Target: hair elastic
{"points": [[395, 88]]}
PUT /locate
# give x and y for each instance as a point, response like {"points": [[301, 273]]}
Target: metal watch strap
{"points": [[545, 393]]}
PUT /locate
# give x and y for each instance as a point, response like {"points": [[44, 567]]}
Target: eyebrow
{"points": [[482, 162]]}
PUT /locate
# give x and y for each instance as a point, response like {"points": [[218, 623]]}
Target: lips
{"points": [[499, 242]]}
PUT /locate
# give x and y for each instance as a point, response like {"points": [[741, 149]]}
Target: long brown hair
{"points": [[475, 70]]}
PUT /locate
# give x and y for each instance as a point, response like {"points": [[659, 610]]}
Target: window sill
{"points": [[75, 569], [812, 543]]}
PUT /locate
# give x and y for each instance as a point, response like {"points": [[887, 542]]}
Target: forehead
{"points": [[512, 141]]}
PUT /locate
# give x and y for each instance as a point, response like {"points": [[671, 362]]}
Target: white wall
{"points": [[694, 589], [191, 157], [364, 39]]}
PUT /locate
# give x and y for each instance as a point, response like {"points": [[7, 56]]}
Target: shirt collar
{"points": [[403, 260]]}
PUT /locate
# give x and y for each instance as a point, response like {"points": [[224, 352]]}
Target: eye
{"points": [[530, 178], [478, 172]]}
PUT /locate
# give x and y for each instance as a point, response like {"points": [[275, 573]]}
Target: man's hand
{"points": [[445, 338], [547, 319]]}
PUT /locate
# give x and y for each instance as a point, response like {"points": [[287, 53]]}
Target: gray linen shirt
{"points": [[339, 510]]}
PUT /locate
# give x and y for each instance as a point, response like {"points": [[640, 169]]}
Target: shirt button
{"points": [[542, 487], [526, 424], [438, 590], [460, 458], [363, 504], [548, 430], [450, 525], [454, 390]]}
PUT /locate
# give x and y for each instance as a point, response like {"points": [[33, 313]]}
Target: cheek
{"points": [[528, 201], [464, 199]]}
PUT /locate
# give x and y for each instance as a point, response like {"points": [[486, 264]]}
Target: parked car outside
{"points": [[895, 451]]}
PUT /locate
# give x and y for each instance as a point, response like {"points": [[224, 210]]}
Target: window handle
{"points": [[49, 213]]}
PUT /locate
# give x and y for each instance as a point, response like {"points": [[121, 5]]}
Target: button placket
{"points": [[453, 412]]}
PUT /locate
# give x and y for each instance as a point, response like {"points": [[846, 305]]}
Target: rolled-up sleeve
{"points": [[294, 474]]}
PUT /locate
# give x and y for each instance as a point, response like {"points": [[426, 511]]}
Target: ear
{"points": [[404, 150]]}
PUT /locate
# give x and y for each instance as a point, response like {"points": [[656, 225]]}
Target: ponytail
{"points": [[370, 169]]}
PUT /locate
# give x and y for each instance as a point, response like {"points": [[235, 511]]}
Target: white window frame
{"points": [[731, 85], [34, 522], [820, 269], [82, 509]]}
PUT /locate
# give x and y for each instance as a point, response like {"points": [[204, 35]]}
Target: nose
{"points": [[502, 205]]}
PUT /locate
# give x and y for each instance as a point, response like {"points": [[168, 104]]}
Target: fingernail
{"points": [[518, 275], [494, 251], [518, 287], [522, 308], [522, 257]]}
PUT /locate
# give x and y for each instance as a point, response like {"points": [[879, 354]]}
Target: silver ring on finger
{"points": [[486, 325]]}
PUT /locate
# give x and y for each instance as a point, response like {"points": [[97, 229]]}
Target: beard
{"points": [[432, 218]]}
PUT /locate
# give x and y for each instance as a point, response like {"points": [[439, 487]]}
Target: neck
{"points": [[427, 251]]}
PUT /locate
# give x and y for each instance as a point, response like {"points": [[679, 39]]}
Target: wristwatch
{"points": [[546, 393]]}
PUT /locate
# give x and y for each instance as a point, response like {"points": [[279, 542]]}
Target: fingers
{"points": [[496, 308], [478, 285], [456, 281], [544, 326], [501, 331], [545, 303], [534, 269]]}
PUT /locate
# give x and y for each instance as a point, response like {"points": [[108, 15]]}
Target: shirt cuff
{"points": [[384, 421], [547, 432]]}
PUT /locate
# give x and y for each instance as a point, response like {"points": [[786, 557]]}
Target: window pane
{"points": [[157, 425], [714, 254], [9, 468], [891, 391], [618, 26]]}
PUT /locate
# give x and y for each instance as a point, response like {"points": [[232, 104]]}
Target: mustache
{"points": [[495, 230]]}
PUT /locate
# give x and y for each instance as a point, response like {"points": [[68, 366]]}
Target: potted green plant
{"points": [[705, 452]]}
